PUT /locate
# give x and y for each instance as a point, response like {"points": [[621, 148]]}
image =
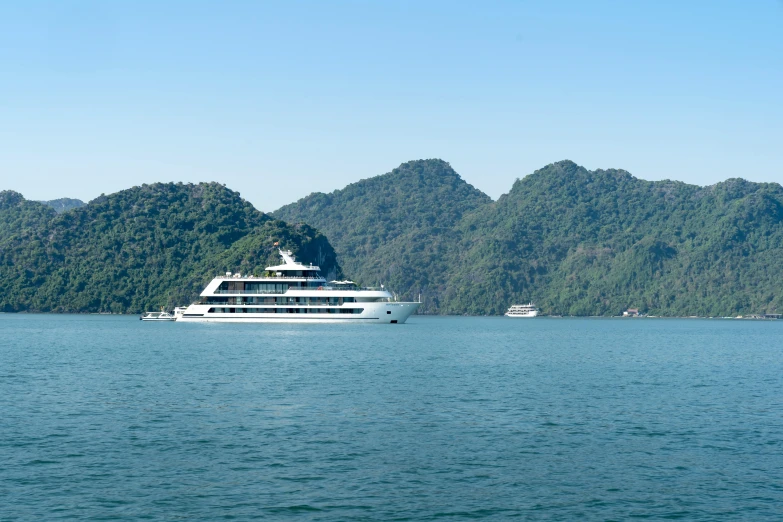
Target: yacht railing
{"points": [[261, 278], [256, 292], [310, 301], [253, 292]]}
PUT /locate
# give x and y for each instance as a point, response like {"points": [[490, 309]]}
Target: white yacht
{"points": [[528, 310], [293, 292]]}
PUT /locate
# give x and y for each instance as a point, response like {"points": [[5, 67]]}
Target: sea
{"points": [[441, 418]]}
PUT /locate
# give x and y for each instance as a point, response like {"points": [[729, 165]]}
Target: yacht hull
{"points": [[373, 313]]}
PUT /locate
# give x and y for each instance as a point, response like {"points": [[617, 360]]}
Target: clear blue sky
{"points": [[280, 99]]}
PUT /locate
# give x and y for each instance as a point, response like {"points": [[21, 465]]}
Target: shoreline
{"points": [[752, 317]]}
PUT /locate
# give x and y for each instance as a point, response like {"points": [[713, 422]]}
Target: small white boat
{"points": [[528, 310], [157, 316]]}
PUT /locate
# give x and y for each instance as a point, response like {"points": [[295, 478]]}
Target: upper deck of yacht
{"points": [[289, 270], [291, 276]]}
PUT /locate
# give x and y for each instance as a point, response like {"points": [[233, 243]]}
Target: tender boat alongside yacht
{"points": [[528, 310], [293, 292], [157, 316]]}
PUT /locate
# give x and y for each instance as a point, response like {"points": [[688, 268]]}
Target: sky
{"points": [[281, 99]]}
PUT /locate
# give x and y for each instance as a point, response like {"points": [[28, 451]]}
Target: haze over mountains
{"points": [[574, 241], [63, 204]]}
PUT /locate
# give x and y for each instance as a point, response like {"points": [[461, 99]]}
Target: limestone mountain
{"points": [[141, 248], [575, 241], [596, 242], [398, 229]]}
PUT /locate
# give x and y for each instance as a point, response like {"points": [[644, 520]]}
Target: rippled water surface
{"points": [[106, 417]]}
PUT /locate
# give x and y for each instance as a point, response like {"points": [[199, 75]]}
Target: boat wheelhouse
{"points": [[293, 292]]}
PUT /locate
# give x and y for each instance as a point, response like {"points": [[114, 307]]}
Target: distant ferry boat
{"points": [[293, 292], [528, 310]]}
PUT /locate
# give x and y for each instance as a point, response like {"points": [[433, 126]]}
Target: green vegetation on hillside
{"points": [[139, 249], [399, 228], [574, 241]]}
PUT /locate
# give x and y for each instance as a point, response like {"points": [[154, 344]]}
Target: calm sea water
{"points": [[110, 418]]}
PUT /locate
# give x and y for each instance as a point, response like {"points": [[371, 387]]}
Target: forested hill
{"points": [[574, 241], [595, 243], [399, 228], [139, 249]]}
